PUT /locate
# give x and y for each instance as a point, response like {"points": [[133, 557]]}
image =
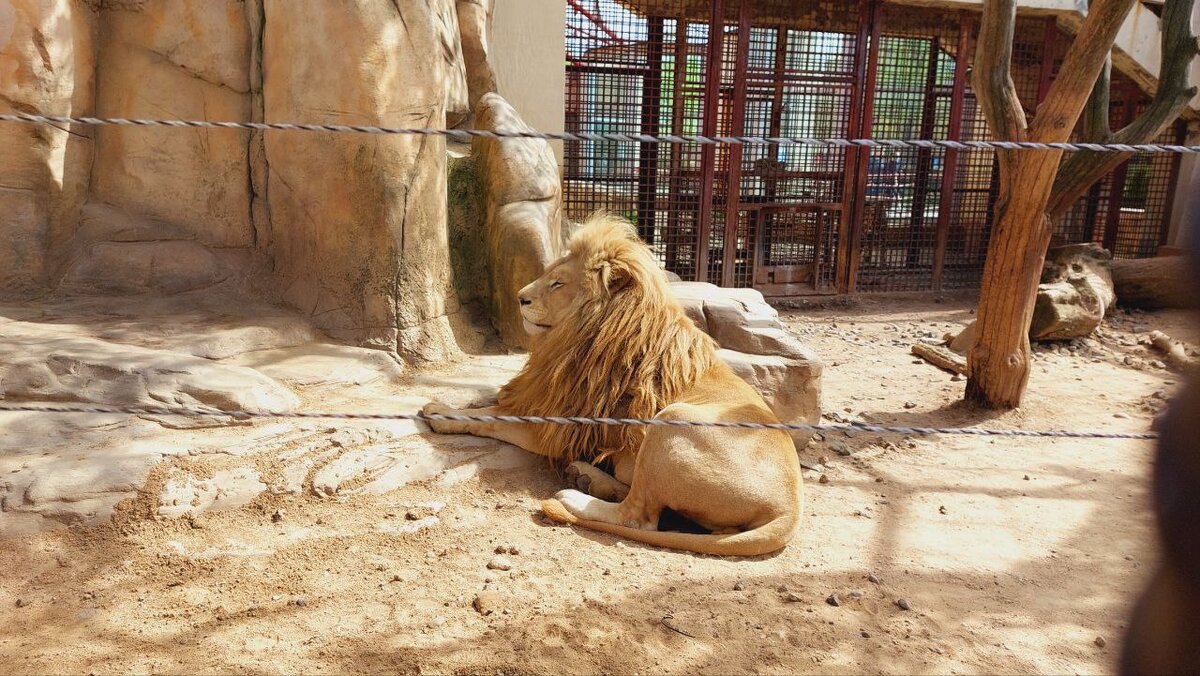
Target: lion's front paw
{"points": [[578, 476], [443, 426]]}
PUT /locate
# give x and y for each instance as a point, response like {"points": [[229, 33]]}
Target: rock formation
{"points": [[523, 211], [348, 228], [759, 349]]}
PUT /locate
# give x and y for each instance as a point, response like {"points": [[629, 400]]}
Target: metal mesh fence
{"points": [[801, 220]]}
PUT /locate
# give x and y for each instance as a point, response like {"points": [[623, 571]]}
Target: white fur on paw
{"points": [[575, 501]]}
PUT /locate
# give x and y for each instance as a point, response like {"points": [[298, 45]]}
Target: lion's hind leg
{"points": [[596, 482]]}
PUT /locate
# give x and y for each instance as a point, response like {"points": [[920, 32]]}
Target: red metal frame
{"points": [[848, 76], [950, 166], [737, 127], [708, 154], [647, 187]]}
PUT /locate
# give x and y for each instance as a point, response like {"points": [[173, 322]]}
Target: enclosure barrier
{"points": [[467, 134]]}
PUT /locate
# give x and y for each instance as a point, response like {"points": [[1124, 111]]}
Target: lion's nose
{"points": [[524, 300]]}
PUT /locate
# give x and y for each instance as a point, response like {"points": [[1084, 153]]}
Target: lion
{"points": [[610, 340]]}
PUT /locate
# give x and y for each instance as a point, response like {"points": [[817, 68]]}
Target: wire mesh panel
{"points": [[913, 77], [804, 219], [631, 71]]}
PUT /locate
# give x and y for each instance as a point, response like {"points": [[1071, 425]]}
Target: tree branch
{"points": [[992, 75], [1095, 114], [1174, 93], [1058, 113]]}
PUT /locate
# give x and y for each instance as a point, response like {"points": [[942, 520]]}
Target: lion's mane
{"points": [[627, 350]]}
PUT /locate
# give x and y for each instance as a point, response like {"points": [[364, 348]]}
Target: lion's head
{"points": [[612, 342], [604, 259]]}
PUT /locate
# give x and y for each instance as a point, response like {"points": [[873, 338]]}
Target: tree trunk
{"points": [[999, 361], [1153, 283]]}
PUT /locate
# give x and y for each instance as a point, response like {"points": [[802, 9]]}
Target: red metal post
{"points": [[916, 220], [647, 179], [1116, 187], [875, 23], [954, 133], [853, 130], [737, 125], [678, 83], [708, 155]]}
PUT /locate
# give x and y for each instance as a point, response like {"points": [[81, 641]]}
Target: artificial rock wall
{"points": [[349, 229]]}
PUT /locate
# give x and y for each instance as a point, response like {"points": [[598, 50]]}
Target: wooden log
{"points": [[941, 357], [1173, 353], [1153, 283]]}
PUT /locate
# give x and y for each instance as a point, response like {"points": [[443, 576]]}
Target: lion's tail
{"points": [[765, 539]]}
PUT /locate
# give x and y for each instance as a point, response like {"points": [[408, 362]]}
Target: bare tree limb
{"points": [[1172, 97], [1058, 113], [1096, 127], [992, 74]]}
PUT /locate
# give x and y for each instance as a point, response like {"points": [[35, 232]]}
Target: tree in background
{"points": [[1036, 187]]}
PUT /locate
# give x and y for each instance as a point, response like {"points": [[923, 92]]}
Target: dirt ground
{"points": [[1012, 555]]}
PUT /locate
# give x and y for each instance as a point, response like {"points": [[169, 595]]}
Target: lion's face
{"points": [[550, 298]]}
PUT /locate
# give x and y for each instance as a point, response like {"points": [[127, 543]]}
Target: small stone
{"points": [[607, 572], [873, 578], [277, 516], [909, 404], [823, 480], [739, 585], [513, 550], [793, 597], [833, 600], [865, 634], [500, 563], [956, 378], [300, 602], [1026, 478], [486, 603], [21, 603], [1121, 415], [903, 604], [856, 595], [1100, 642], [841, 448], [823, 459], [942, 509]]}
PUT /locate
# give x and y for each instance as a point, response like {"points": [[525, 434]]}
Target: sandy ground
{"points": [[1012, 555]]}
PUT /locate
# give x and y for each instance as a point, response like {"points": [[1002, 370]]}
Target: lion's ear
{"points": [[615, 276]]}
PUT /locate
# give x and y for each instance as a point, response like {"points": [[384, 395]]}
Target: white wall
{"points": [[528, 52], [1185, 219]]}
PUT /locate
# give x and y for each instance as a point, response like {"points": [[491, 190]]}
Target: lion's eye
{"points": [[555, 285]]}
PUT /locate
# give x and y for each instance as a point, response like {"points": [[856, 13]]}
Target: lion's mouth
{"points": [[533, 328]]}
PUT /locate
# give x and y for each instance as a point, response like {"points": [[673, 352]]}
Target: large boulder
{"points": [[523, 211], [738, 319], [46, 66], [358, 221], [474, 24], [178, 59], [759, 349]]}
